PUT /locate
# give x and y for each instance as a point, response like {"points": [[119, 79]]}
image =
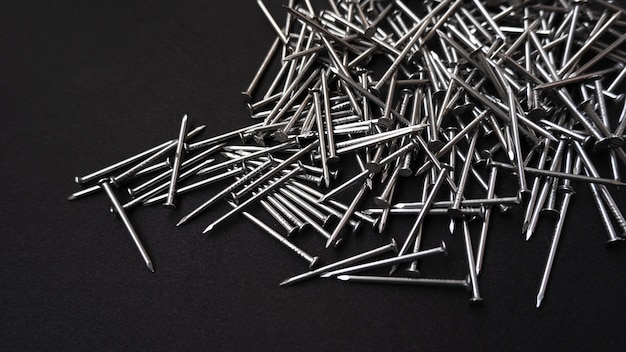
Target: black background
{"points": [[83, 85]]}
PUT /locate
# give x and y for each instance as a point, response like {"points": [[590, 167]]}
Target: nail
{"points": [[176, 165], [272, 22], [535, 171], [288, 214], [279, 108], [590, 41], [387, 118], [302, 215], [384, 199], [335, 204], [474, 211], [291, 229], [420, 218], [271, 173], [94, 189], [252, 199], [517, 148], [362, 175], [568, 194], [311, 208], [106, 185], [107, 170], [226, 191], [117, 180], [454, 210], [482, 242], [218, 139], [196, 185], [471, 264], [163, 187], [404, 281], [346, 215], [416, 33], [201, 157], [371, 97], [320, 134], [348, 261], [412, 269], [254, 155], [379, 138], [474, 202], [295, 188], [247, 94], [604, 215], [320, 29], [310, 259], [442, 249]]}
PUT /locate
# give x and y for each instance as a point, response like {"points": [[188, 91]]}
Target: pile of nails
{"points": [[474, 105]]}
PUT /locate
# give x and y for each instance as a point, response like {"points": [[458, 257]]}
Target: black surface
{"points": [[84, 85]]}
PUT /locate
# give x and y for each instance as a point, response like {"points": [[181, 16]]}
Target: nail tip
{"points": [[539, 301]]}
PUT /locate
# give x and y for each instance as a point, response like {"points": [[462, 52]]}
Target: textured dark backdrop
{"points": [[83, 85]]}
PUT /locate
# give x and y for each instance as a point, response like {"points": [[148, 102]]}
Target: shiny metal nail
{"points": [[291, 229], [338, 205], [196, 185], [288, 214], [227, 191], [201, 157], [346, 216], [247, 94], [568, 193], [454, 210], [106, 185], [272, 22], [95, 189], [295, 188], [279, 168], [348, 261], [169, 202], [107, 170], [269, 188], [484, 229], [442, 249], [420, 218], [404, 281], [118, 179], [311, 208], [302, 215], [310, 259], [471, 264]]}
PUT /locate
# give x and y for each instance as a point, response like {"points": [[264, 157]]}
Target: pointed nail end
{"points": [[343, 277], [539, 300], [529, 234], [149, 265]]}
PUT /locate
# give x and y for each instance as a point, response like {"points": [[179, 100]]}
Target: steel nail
{"points": [[106, 185]]}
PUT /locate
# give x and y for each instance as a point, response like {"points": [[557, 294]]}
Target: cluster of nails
{"points": [[441, 97]]}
